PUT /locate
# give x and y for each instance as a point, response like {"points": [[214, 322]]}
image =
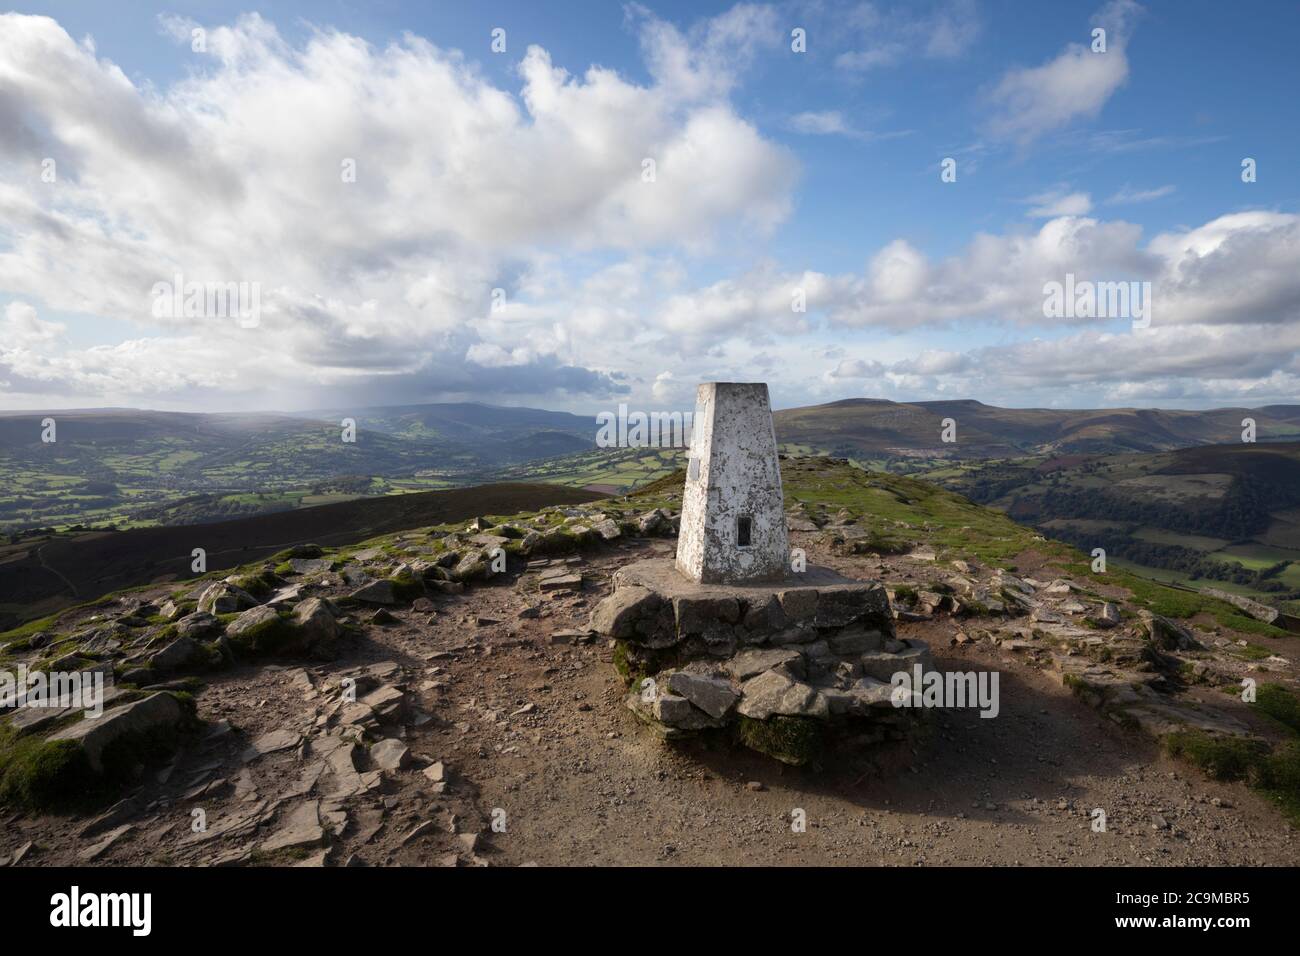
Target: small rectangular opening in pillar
{"points": [[693, 469], [744, 531]]}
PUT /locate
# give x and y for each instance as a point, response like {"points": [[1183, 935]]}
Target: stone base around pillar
{"points": [[781, 662]]}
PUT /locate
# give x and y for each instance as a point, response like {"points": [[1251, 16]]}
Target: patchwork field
{"points": [[129, 469]]}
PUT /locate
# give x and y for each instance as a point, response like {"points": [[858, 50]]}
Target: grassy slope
{"points": [[38, 576], [1192, 479]]}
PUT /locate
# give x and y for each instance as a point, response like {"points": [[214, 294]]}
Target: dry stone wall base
{"points": [[816, 647]]}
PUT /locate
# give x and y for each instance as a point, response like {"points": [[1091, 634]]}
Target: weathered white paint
{"points": [[733, 474]]}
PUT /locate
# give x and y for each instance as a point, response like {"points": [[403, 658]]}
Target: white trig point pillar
{"points": [[733, 512]]}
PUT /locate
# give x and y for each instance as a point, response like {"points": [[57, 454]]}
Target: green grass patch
{"points": [[1221, 758], [1274, 773], [1280, 704]]}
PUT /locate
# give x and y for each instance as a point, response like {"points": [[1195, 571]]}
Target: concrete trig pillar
{"points": [[733, 512]]}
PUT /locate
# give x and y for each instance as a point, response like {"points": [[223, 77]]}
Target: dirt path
{"points": [[40, 559]]}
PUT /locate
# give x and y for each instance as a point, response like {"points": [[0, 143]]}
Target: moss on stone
{"points": [[623, 663], [38, 774], [792, 740], [406, 587], [268, 637], [259, 583]]}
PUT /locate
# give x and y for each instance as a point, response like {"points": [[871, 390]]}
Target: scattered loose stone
{"points": [[390, 754]]}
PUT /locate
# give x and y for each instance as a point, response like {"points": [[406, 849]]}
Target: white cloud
{"points": [[1076, 84], [834, 123], [885, 39], [236, 174], [1049, 205], [383, 288], [21, 329], [1129, 196], [1197, 364], [822, 123]]}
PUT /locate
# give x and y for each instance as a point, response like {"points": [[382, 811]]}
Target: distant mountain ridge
{"points": [[123, 466], [870, 428]]}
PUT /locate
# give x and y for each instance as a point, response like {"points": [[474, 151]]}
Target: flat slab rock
{"points": [[661, 575], [656, 606], [1129, 697]]}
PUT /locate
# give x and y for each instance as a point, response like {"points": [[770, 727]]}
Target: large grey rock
{"points": [[273, 742], [198, 625], [225, 598], [705, 615], [849, 643], [315, 622], [842, 606], [155, 712], [618, 614], [713, 695], [1107, 616], [1260, 612], [175, 655], [747, 664], [310, 565], [674, 712], [251, 619], [376, 592], [883, 665], [473, 566], [798, 603], [1166, 634], [656, 522], [772, 693]]}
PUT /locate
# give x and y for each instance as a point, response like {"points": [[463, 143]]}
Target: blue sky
{"points": [[781, 170]]}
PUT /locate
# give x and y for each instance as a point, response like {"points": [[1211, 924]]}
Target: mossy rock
{"points": [[626, 668], [555, 541], [40, 774], [259, 584], [269, 637], [36, 774], [635, 663], [407, 587], [791, 740]]}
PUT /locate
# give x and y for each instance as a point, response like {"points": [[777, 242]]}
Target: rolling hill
{"points": [[127, 467], [867, 429]]}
